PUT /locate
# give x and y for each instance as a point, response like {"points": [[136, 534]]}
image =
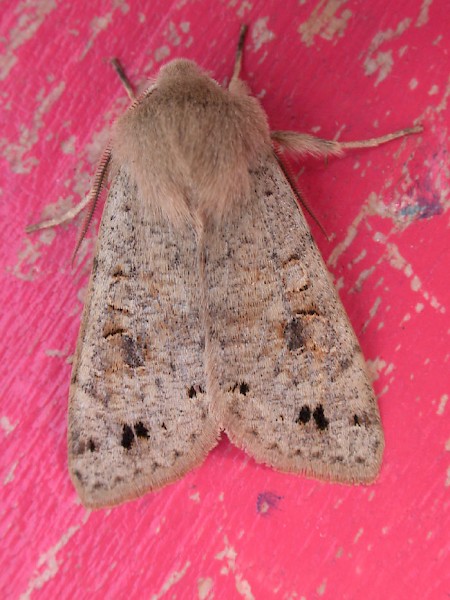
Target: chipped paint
{"points": [[358, 535], [322, 588], [68, 146], [261, 34], [10, 475], [442, 404], [161, 53], [6, 425], [352, 230], [171, 580], [48, 565], [424, 15], [15, 151], [228, 557], [382, 61], [372, 312], [204, 588], [325, 22], [244, 8], [375, 367], [26, 258], [397, 261], [100, 23], [25, 28]]}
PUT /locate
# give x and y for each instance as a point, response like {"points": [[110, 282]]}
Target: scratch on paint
{"points": [[229, 555], [325, 21], [49, 561], [173, 578]]}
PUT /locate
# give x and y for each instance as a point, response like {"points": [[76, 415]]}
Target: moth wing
{"points": [[290, 379], [139, 416]]}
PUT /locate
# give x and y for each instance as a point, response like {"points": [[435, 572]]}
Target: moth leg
{"points": [[118, 68], [238, 59], [90, 200], [308, 145]]}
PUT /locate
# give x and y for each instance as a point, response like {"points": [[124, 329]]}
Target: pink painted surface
{"points": [[232, 528]]}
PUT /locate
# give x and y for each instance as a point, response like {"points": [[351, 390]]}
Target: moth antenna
{"points": [[94, 194], [118, 68], [239, 51], [100, 178], [285, 167]]}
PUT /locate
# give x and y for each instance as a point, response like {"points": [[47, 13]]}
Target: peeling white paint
{"points": [[229, 555], [325, 21], [442, 404], [171, 580], [6, 425], [260, 33], [204, 587], [47, 565], [27, 24]]}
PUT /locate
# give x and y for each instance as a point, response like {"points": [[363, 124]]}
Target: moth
{"points": [[209, 306]]}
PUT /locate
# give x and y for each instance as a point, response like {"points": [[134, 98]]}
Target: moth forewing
{"points": [[139, 413], [294, 388]]}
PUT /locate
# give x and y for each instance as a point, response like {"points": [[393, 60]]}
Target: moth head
{"points": [[180, 68]]}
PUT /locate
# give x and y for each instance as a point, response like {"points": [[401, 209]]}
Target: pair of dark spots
{"points": [[131, 433], [242, 386], [318, 414]]}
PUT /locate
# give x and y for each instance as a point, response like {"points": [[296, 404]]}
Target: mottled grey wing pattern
{"points": [[139, 416], [287, 371]]}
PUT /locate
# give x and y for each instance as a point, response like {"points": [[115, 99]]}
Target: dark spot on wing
{"points": [[242, 386], [127, 437], [131, 353], [319, 417], [194, 390], [293, 334], [141, 430], [304, 415]]}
